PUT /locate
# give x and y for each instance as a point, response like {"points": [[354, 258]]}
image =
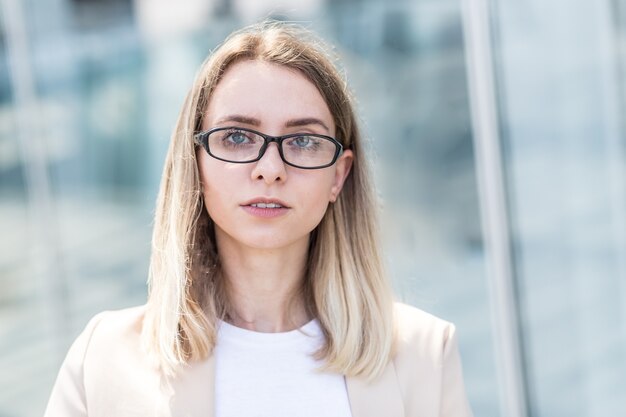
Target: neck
{"points": [[264, 286]]}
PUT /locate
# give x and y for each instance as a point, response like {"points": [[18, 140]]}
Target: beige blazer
{"points": [[105, 374]]}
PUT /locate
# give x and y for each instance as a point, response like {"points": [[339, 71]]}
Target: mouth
{"points": [[266, 203], [265, 207]]}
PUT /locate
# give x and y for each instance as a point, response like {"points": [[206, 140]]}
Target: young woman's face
{"points": [[276, 101]]}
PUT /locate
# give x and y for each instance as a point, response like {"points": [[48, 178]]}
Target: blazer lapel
{"points": [[380, 397]]}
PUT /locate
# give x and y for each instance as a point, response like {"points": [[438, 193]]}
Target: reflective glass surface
{"points": [[561, 75]]}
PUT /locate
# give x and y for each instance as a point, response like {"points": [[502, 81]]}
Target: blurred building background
{"points": [[498, 131]]}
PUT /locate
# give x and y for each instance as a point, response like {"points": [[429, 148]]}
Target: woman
{"points": [[267, 294]]}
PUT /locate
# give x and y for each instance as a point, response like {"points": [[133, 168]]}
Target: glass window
{"points": [[562, 117]]}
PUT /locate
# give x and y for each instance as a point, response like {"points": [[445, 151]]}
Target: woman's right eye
{"points": [[237, 138]]}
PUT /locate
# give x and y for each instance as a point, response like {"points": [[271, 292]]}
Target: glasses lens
{"points": [[235, 145], [309, 151]]}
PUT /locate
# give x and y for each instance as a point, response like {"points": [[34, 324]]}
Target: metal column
{"points": [[493, 202]]}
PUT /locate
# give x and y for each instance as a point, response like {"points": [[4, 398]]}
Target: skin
{"points": [[264, 259]]}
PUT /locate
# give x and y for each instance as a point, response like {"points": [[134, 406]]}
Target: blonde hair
{"points": [[345, 286]]}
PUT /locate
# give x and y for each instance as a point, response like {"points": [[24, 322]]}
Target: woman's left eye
{"points": [[302, 141]]}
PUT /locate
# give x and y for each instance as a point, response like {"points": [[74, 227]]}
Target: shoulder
{"points": [[110, 344], [104, 364], [124, 323], [118, 373], [427, 364], [417, 326], [113, 334], [422, 339], [108, 327]]}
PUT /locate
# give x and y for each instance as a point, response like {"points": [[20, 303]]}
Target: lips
{"points": [[266, 203], [265, 208]]}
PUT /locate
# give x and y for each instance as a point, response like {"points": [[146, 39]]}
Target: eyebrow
{"points": [[305, 121]]}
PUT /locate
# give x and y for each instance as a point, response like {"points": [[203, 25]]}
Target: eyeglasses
{"points": [[240, 146]]}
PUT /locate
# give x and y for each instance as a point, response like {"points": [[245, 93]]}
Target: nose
{"points": [[270, 168]]}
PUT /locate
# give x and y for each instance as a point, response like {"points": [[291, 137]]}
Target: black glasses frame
{"points": [[202, 139]]}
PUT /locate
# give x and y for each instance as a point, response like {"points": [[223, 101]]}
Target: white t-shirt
{"points": [[274, 375]]}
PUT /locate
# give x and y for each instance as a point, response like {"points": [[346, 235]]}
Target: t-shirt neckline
{"points": [[303, 333]]}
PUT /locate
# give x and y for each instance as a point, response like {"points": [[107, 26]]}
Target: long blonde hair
{"points": [[345, 286]]}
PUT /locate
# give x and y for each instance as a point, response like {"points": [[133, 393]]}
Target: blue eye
{"points": [[237, 138], [302, 141]]}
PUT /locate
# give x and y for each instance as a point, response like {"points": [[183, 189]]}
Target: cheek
{"points": [[218, 184], [316, 196]]}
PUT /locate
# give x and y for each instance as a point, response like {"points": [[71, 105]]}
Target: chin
{"points": [[265, 242], [261, 238]]}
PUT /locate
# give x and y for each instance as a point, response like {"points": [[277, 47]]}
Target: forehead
{"points": [[271, 93]]}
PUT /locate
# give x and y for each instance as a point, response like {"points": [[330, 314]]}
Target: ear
{"points": [[342, 169]]}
